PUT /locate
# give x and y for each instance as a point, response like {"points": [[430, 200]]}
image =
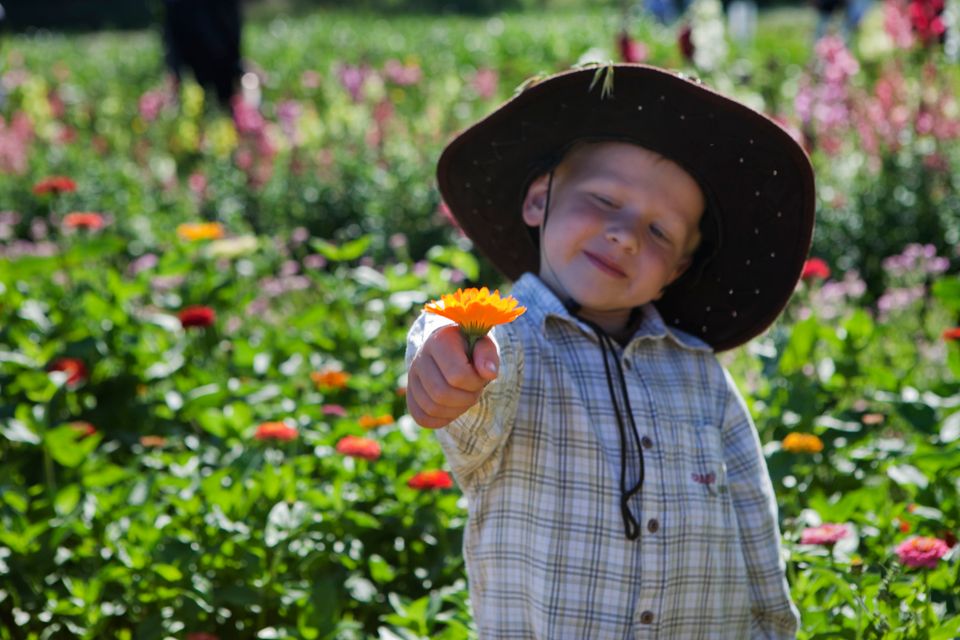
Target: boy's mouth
{"points": [[605, 265]]}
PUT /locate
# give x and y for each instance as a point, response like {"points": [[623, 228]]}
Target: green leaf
{"points": [[67, 447], [456, 258], [66, 500], [947, 290], [380, 569], [168, 572], [344, 252]]}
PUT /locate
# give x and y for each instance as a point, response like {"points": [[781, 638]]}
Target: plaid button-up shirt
{"points": [[538, 458]]}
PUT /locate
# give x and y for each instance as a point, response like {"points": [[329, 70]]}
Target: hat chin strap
{"points": [[571, 305]]}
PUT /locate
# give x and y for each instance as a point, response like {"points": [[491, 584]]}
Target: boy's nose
{"points": [[624, 238]]}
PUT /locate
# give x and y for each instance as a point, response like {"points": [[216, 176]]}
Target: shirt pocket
{"points": [[703, 503]]}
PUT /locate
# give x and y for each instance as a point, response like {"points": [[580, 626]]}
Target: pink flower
{"points": [[334, 410], [485, 82], [402, 74], [826, 534], [630, 49], [357, 447], [83, 220], [922, 551]]}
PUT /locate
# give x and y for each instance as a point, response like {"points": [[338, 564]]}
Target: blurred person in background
{"points": [[204, 37]]}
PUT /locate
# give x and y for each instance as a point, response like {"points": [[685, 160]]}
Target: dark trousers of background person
{"points": [[204, 36]]}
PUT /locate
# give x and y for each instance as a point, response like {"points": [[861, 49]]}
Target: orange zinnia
{"points": [[802, 443], [275, 431], [200, 231], [368, 421], [330, 379], [476, 311]]}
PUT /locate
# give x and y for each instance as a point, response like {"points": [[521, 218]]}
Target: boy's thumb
{"points": [[486, 360]]}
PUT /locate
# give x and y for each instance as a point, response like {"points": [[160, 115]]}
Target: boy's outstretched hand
{"points": [[442, 383]]}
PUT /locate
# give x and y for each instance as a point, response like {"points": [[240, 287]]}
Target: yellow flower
{"points": [[476, 311], [802, 443], [200, 231]]}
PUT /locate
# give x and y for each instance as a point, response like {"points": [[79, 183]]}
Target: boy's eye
{"points": [[659, 233], [604, 201]]}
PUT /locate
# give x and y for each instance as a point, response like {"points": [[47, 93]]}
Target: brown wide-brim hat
{"points": [[757, 180]]}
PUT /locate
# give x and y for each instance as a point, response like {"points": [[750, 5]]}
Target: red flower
{"points": [[630, 49], [685, 42], [815, 269], [83, 220], [54, 185], [197, 316], [200, 635], [83, 429], [275, 431], [75, 369], [952, 334], [359, 447], [433, 479]]}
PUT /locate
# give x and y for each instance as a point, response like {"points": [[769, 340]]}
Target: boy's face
{"points": [[622, 225]]}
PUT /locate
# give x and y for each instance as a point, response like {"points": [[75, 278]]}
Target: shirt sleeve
{"points": [[473, 442], [773, 614]]}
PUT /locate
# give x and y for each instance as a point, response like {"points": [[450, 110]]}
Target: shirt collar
{"points": [[542, 303]]}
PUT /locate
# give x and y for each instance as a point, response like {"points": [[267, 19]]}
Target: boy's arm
{"points": [[472, 440], [772, 611]]}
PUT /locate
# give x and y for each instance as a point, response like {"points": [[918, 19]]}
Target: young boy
{"points": [[615, 482]]}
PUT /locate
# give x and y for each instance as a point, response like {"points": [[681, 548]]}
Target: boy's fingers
{"points": [[449, 352], [421, 417], [486, 360], [433, 406], [438, 388]]}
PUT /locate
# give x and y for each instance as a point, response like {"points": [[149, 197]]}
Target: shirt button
{"points": [[653, 525], [646, 617], [646, 442]]}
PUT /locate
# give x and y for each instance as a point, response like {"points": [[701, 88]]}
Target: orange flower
{"points": [[153, 441], [330, 379], [357, 447], [368, 421], [75, 369], [83, 429], [432, 479], [802, 443], [54, 185], [200, 231], [476, 311], [951, 335], [275, 431], [83, 220]]}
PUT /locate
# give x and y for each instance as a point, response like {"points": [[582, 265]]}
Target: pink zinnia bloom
{"points": [[826, 534], [922, 552], [197, 316], [432, 479], [630, 49], [357, 447], [815, 269], [334, 410]]}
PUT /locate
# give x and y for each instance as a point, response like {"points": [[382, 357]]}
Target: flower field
{"points": [[203, 431]]}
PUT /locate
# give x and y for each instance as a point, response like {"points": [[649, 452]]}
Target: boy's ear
{"points": [[680, 269], [535, 202]]}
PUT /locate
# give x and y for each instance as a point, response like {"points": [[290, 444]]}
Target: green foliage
{"points": [[137, 499]]}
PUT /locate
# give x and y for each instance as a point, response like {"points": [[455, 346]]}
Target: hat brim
{"points": [[759, 179]]}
